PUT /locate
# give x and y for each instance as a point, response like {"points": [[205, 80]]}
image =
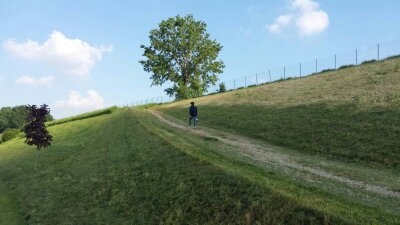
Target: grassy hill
{"points": [[112, 169], [124, 166], [351, 114]]}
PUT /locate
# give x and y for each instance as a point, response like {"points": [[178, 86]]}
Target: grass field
{"points": [[125, 166], [351, 114], [113, 169], [332, 198]]}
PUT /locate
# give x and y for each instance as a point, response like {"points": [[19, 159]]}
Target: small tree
{"points": [[222, 88], [35, 130], [181, 52]]}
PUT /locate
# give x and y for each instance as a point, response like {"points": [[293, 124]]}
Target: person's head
{"points": [[192, 103]]}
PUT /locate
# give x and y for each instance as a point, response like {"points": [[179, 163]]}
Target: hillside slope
{"points": [[351, 114], [111, 169]]}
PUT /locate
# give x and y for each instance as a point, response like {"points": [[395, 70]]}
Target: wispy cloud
{"points": [[280, 22], [76, 101], [73, 56], [41, 81], [307, 15]]}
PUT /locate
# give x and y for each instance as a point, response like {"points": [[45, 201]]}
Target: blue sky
{"points": [[84, 55]]}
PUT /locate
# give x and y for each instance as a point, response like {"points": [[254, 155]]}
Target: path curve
{"points": [[265, 154]]}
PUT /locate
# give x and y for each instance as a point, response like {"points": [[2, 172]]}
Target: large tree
{"points": [[182, 52]]}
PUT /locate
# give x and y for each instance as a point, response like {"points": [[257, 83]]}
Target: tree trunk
{"points": [[37, 156]]}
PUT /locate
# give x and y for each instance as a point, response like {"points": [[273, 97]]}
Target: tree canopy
{"points": [[182, 52], [14, 117], [35, 130]]}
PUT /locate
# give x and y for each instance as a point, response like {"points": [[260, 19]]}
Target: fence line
{"points": [[354, 57]]}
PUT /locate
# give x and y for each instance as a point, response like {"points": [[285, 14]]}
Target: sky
{"points": [[78, 56]]}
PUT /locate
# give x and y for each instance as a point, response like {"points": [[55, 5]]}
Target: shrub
{"points": [[283, 79], [368, 61], [346, 66], [222, 88], [327, 70], [9, 134], [393, 57]]}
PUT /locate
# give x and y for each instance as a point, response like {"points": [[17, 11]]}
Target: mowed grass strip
{"points": [[9, 211], [351, 114], [333, 202], [111, 170], [82, 116]]}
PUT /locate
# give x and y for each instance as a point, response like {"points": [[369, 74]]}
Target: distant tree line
{"points": [[14, 117]]}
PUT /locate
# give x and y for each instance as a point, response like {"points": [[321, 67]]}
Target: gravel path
{"points": [[258, 152]]}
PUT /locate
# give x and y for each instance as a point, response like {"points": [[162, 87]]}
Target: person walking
{"points": [[193, 115]]}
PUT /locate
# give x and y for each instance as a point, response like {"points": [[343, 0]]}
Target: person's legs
{"points": [[190, 121], [195, 121]]}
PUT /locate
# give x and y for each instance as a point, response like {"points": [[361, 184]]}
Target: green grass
{"points": [[333, 200], [351, 114], [82, 116], [9, 134], [122, 166], [112, 169], [9, 212]]}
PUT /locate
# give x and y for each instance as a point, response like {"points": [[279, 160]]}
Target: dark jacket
{"points": [[193, 110]]}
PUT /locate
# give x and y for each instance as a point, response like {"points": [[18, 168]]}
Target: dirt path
{"points": [[269, 155]]}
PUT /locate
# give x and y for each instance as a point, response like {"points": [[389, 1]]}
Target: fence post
{"points": [[335, 61], [316, 66], [269, 72], [378, 51], [284, 72], [356, 57], [234, 84], [256, 79], [300, 69]]}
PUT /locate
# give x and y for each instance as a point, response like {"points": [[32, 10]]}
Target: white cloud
{"points": [[305, 5], [312, 22], [75, 101], [309, 18], [280, 22], [72, 56], [42, 81]]}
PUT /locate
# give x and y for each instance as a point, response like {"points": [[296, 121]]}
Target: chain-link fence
{"points": [[336, 61]]}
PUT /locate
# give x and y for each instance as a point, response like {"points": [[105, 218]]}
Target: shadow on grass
{"points": [[343, 131]]}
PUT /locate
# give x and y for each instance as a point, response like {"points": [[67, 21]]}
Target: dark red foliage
{"points": [[36, 132]]}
